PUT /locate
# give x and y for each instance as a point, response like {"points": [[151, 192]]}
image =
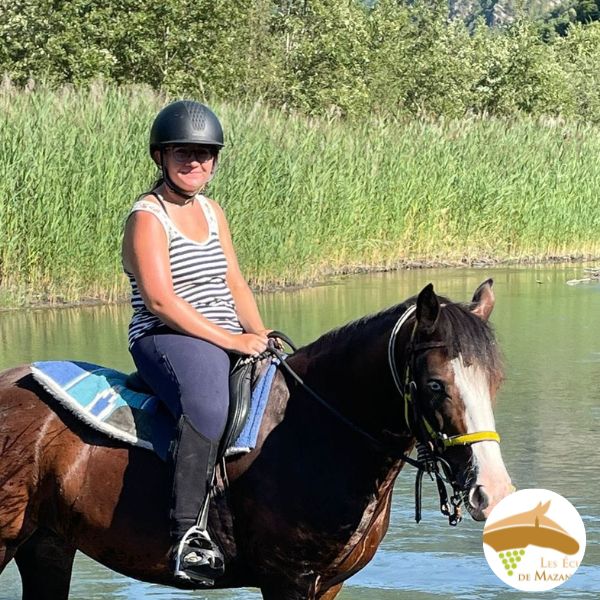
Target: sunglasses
{"points": [[188, 154]]}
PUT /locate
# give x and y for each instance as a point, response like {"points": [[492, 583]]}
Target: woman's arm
{"points": [[245, 303], [146, 256]]}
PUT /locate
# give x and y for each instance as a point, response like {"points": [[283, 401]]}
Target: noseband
{"points": [[430, 442]]}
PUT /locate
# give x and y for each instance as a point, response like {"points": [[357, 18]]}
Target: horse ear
{"points": [[428, 309], [483, 300]]}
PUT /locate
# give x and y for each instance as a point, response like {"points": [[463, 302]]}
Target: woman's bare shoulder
{"points": [[216, 207], [147, 198], [146, 212]]}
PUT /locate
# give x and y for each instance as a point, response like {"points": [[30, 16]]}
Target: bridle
{"points": [[430, 443], [407, 390]]}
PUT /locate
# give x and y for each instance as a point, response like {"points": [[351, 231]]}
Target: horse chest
{"points": [[362, 545]]}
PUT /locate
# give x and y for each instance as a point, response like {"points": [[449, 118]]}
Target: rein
{"points": [[430, 443], [379, 445]]}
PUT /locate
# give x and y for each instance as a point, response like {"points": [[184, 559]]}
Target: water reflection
{"points": [[548, 415], [97, 333]]}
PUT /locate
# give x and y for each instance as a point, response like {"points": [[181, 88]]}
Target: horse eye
{"points": [[435, 386]]}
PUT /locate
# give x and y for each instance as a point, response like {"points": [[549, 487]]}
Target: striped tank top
{"points": [[198, 271]]}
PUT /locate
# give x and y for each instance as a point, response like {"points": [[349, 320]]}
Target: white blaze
{"points": [[473, 385]]}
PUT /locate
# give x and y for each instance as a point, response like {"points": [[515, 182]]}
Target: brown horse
{"points": [[309, 506]]}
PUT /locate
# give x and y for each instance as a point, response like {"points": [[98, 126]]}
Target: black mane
{"points": [[466, 334], [461, 331]]}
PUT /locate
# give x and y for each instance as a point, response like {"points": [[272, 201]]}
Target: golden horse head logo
{"points": [[530, 527]]}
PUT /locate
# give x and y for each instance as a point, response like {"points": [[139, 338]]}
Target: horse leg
{"points": [[6, 555], [331, 593], [283, 592], [276, 592], [45, 562]]}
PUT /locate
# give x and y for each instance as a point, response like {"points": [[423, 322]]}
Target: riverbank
{"points": [[305, 198], [36, 301]]}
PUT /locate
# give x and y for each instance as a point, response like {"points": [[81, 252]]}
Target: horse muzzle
{"points": [[480, 500]]}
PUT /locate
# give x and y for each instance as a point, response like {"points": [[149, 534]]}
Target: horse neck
{"points": [[355, 380], [354, 377]]}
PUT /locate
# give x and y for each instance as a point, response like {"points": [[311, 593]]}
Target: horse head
{"points": [[451, 373]]}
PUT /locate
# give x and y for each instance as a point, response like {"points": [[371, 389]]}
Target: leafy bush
{"points": [[320, 57]]}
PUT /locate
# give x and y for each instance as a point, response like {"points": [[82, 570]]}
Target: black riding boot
{"points": [[194, 556]]}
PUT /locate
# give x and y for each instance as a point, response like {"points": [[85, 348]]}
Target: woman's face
{"points": [[190, 166]]}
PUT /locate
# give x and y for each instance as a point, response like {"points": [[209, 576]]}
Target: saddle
{"points": [[242, 379], [124, 408]]}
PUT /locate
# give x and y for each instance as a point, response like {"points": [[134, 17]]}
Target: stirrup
{"points": [[198, 559]]}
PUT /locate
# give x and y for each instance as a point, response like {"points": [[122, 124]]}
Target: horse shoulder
{"points": [[274, 414], [363, 544]]}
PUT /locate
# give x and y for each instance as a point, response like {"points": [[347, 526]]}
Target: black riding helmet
{"points": [[184, 122]]}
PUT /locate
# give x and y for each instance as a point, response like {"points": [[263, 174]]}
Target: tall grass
{"points": [[304, 198]]}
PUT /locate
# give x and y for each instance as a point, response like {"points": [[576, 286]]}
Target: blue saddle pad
{"points": [[100, 397]]}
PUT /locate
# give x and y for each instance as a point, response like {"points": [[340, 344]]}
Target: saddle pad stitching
{"points": [[57, 393]]}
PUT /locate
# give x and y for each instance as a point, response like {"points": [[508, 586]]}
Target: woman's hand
{"points": [[274, 341], [250, 343]]}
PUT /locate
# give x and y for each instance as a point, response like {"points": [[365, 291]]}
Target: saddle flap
{"points": [[241, 382]]}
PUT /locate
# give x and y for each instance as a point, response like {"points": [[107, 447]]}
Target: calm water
{"points": [[548, 414]]}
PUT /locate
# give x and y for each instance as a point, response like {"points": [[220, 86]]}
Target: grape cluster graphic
{"points": [[510, 559]]}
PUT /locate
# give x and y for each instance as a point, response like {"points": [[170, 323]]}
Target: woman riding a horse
{"points": [[307, 507], [192, 307]]}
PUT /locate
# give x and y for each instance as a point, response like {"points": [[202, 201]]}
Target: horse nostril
{"points": [[478, 498]]}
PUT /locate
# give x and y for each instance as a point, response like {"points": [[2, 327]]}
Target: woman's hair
{"points": [[158, 181]]}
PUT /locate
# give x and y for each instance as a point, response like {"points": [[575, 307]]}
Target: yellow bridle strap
{"points": [[471, 438], [462, 440]]}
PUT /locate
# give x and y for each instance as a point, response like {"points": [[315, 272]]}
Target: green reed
{"points": [[305, 198]]}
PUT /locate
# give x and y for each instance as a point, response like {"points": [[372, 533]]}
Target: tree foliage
{"points": [[326, 57], [561, 17]]}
